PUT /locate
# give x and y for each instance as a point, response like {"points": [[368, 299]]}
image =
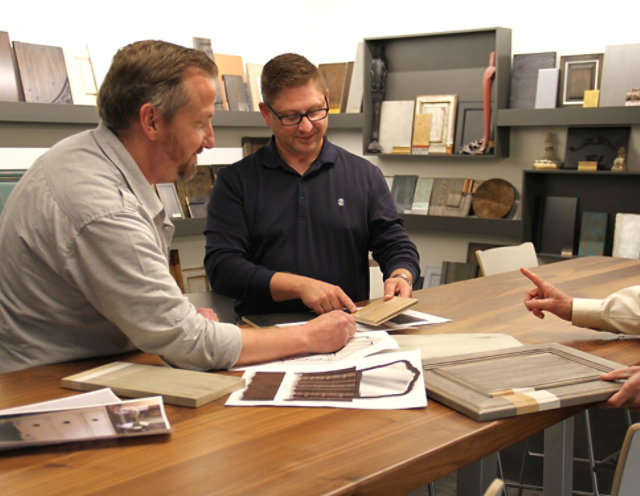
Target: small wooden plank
{"points": [[176, 386]]}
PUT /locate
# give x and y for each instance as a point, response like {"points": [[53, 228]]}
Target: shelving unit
{"points": [[598, 191], [441, 64]]}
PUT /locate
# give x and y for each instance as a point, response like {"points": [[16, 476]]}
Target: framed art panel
{"points": [[169, 197], [442, 110], [595, 144], [515, 381], [578, 73], [469, 123]]}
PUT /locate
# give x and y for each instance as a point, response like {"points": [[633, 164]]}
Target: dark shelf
{"points": [[470, 224], [86, 115], [569, 116]]}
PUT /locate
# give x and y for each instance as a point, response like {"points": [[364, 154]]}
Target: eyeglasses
{"points": [[295, 119]]}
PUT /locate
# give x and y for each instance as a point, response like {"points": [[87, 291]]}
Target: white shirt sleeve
{"points": [[619, 312]]}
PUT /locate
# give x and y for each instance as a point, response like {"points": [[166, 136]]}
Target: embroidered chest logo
{"points": [[341, 202]]}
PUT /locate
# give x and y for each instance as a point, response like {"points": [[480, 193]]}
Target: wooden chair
{"points": [[626, 479], [506, 258]]}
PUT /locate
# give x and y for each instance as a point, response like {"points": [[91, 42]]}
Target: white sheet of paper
{"points": [[98, 397], [408, 386]]}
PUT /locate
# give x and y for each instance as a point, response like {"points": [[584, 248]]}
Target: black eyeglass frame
{"points": [[302, 116]]}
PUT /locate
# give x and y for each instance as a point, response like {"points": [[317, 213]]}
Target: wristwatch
{"points": [[405, 277]]}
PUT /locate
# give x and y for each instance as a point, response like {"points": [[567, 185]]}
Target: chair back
{"points": [[506, 258], [626, 480], [495, 488]]}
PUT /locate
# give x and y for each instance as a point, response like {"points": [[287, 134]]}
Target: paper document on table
{"points": [[387, 381], [98, 397], [407, 319], [61, 421], [360, 345]]}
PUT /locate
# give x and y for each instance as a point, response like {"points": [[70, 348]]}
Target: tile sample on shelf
{"points": [[396, 121], [626, 236], [547, 88], [402, 192], [557, 225], [43, 73], [620, 73], [9, 87], [593, 232], [524, 77]]}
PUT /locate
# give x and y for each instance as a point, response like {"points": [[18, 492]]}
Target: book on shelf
{"points": [[557, 224], [547, 88], [251, 144], [204, 44], [337, 76], [354, 97], [593, 231], [402, 192], [253, 75], [421, 134], [236, 93], [197, 206], [620, 73], [196, 281], [175, 268], [451, 196], [626, 235], [524, 77], [422, 196], [84, 417], [396, 121], [9, 84], [457, 271], [228, 64], [43, 73], [82, 81], [199, 185], [168, 195], [176, 386]]}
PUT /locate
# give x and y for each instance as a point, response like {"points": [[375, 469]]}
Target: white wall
{"points": [[322, 30], [328, 31]]}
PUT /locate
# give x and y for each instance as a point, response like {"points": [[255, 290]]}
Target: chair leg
{"points": [[590, 451]]}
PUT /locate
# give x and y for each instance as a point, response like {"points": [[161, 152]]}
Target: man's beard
{"points": [[187, 171]]}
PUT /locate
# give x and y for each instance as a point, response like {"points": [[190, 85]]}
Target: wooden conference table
{"points": [[292, 451]]}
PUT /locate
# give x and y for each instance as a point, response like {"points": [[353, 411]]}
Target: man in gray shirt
{"points": [[84, 238]]}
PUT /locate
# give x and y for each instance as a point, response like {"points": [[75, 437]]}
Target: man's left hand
{"points": [[397, 286]]}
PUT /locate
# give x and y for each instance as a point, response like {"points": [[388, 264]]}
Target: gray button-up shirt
{"points": [[84, 266]]}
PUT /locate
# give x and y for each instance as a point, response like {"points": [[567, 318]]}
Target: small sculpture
{"points": [[620, 163], [549, 160], [484, 145], [378, 80]]}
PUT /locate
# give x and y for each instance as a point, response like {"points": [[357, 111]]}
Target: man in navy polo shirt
{"points": [[290, 227]]}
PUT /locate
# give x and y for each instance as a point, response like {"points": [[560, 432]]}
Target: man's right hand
{"points": [[319, 296], [330, 331], [322, 297]]}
